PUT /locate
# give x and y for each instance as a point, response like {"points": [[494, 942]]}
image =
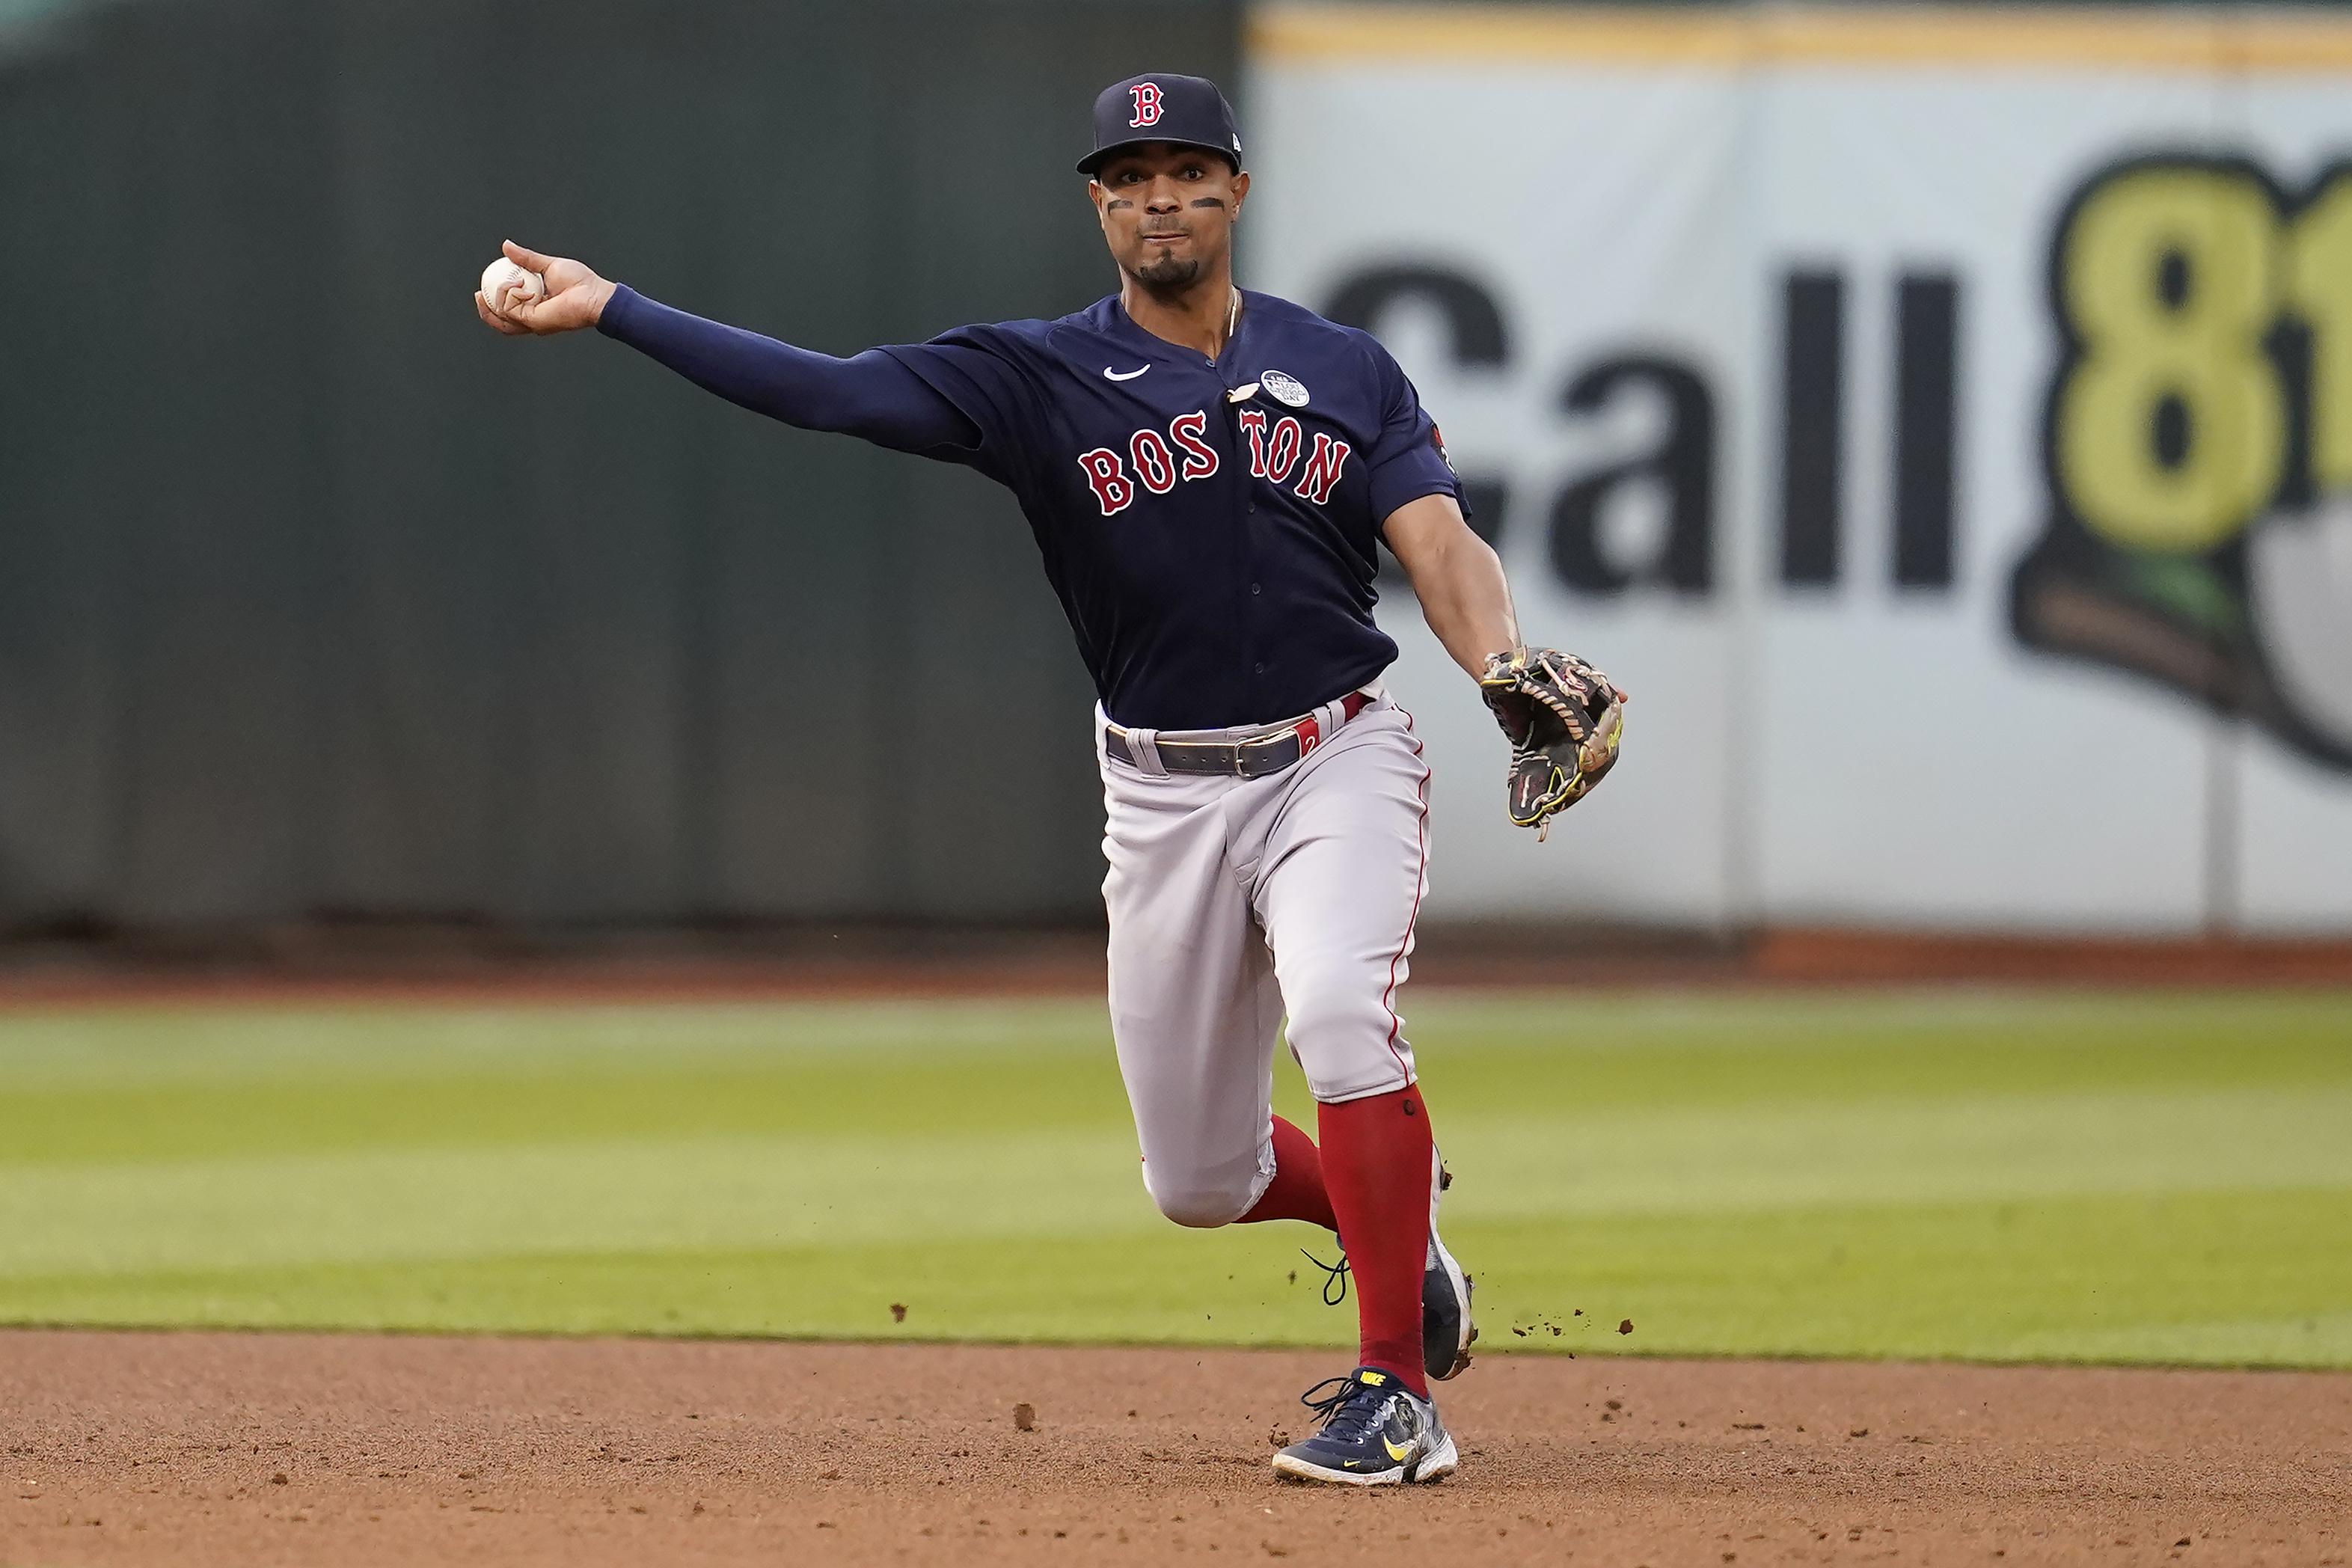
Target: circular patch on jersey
{"points": [[1284, 388]]}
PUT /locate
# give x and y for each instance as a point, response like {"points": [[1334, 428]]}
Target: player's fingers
{"points": [[527, 313], [492, 318], [529, 260]]}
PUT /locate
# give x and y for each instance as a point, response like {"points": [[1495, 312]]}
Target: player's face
{"points": [[1167, 212]]}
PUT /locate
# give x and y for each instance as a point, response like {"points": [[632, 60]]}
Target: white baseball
{"points": [[504, 283]]}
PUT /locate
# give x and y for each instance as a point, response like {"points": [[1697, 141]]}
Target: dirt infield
{"points": [[229, 1449]]}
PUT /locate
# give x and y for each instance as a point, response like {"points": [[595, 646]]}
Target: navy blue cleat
{"points": [[1376, 1433], [1446, 1330]]}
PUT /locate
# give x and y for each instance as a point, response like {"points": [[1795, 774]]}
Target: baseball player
{"points": [[1208, 473]]}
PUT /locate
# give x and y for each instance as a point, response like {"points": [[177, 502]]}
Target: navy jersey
{"points": [[1210, 525]]}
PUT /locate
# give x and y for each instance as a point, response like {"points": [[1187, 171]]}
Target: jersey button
{"points": [[1254, 588], [1253, 506], [1257, 669]]}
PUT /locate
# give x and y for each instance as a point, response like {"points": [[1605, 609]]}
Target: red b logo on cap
{"points": [[1147, 103]]}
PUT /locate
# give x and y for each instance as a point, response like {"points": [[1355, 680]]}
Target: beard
{"points": [[1171, 272]]}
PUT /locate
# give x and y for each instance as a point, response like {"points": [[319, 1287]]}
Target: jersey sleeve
{"points": [[1408, 462], [985, 372], [871, 396]]}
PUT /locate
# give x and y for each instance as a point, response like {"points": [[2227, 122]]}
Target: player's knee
{"points": [[1203, 1204], [1346, 1042]]}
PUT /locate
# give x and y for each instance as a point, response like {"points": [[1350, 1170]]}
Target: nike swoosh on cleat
{"points": [[1399, 1453], [1116, 375]]}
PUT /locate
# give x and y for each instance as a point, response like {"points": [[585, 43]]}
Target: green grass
{"points": [[2071, 1177]]}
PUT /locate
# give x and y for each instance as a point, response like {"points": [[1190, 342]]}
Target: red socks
{"points": [[1297, 1190], [1370, 1182], [1376, 1160]]}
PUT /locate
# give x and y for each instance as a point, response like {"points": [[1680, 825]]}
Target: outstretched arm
{"points": [[872, 395]]}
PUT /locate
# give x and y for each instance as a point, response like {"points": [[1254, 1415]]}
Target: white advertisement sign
{"points": [[1941, 422]]}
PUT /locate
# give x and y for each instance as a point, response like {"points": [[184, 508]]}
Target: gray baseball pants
{"points": [[1236, 902]]}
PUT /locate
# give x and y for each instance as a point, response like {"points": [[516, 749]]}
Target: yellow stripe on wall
{"points": [[2087, 37]]}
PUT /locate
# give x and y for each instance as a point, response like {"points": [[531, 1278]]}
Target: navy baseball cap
{"points": [[1182, 111]]}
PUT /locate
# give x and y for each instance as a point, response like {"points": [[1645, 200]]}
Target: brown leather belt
{"points": [[1258, 757]]}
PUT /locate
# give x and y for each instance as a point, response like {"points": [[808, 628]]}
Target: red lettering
{"points": [[1189, 432], [1284, 450], [1147, 103], [1106, 476], [1253, 422], [1152, 461], [1322, 468]]}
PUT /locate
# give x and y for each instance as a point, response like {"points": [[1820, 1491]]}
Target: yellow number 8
{"points": [[2170, 427]]}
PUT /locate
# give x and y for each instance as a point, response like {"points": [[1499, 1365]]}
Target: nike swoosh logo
{"points": [[1129, 375], [1400, 1452]]}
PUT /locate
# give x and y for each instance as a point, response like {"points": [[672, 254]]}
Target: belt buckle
{"points": [[1242, 749]]}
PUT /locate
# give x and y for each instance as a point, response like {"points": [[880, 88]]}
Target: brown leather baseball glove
{"points": [[1563, 718]]}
